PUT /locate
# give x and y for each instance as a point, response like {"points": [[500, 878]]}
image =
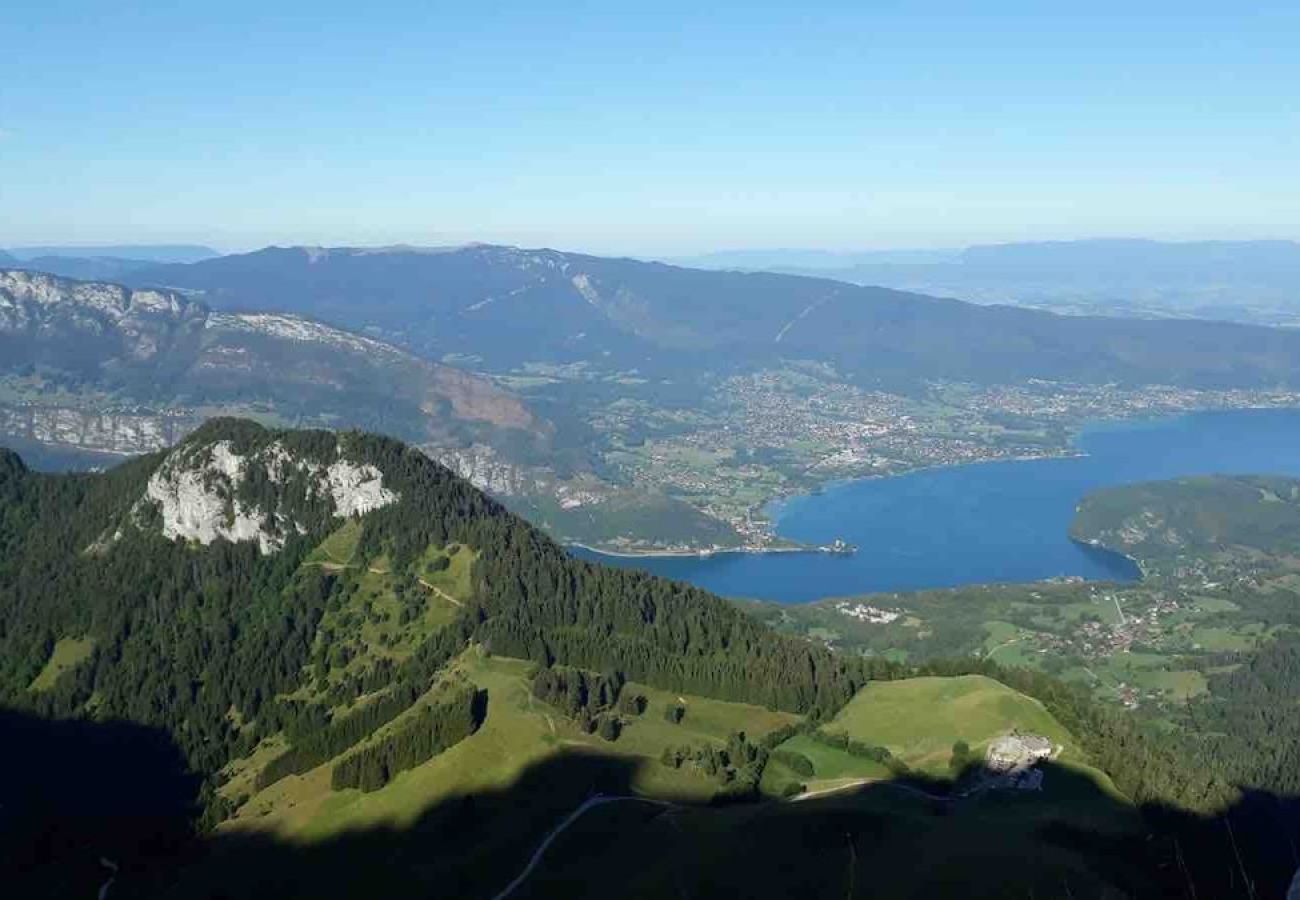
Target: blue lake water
{"points": [[1002, 521]]}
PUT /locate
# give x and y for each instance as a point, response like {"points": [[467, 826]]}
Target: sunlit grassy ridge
{"points": [[919, 719], [519, 731]]}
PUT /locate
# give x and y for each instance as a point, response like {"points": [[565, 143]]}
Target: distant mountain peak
{"points": [[151, 253]]}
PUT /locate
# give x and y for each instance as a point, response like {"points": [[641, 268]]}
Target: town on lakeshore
{"points": [[765, 437]]}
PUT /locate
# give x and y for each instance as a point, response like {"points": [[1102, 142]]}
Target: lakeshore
{"points": [[987, 522]]}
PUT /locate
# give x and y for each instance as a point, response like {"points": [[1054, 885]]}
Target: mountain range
{"points": [[502, 307], [100, 367], [1248, 281], [101, 263]]}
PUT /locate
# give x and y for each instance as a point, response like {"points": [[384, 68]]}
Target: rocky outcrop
{"points": [[107, 432], [356, 489], [196, 493], [197, 500], [482, 467], [300, 330], [102, 367], [96, 319]]}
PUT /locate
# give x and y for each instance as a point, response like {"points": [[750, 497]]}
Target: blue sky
{"points": [[651, 128]]}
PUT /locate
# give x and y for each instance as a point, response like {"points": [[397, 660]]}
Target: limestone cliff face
{"points": [[482, 467], [97, 366], [196, 493], [102, 320], [109, 431]]}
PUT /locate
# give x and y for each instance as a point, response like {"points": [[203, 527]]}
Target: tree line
{"points": [[429, 731]]}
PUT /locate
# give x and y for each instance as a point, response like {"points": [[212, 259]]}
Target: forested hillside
{"points": [[85, 559], [283, 604], [1214, 519]]}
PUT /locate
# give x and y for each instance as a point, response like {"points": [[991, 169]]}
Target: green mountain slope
{"points": [[507, 306], [1213, 519], [346, 644], [205, 556]]}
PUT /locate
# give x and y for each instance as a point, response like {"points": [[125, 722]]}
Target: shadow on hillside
{"points": [[76, 791], [897, 839]]}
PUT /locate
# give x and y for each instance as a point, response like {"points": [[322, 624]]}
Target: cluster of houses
{"points": [[867, 613]]}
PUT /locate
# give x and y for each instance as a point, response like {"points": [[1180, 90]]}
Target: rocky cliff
{"points": [[205, 491], [99, 366]]}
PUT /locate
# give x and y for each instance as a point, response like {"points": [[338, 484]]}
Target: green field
{"points": [[1172, 632], [706, 720], [862, 843], [1180, 685], [524, 743], [919, 719], [831, 763], [68, 653], [1224, 639], [520, 731], [453, 581], [528, 767], [339, 548]]}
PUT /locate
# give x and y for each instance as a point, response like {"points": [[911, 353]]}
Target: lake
{"points": [[989, 522]]}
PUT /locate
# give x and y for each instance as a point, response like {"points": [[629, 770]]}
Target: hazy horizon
{"points": [[849, 254], [670, 132]]}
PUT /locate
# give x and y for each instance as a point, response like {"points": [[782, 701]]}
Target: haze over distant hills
{"points": [[1250, 281], [152, 253], [809, 260], [101, 263], [503, 306]]}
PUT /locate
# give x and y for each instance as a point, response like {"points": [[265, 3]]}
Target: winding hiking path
{"points": [[440, 592], [590, 803], [878, 782], [601, 799], [989, 655], [329, 566]]}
